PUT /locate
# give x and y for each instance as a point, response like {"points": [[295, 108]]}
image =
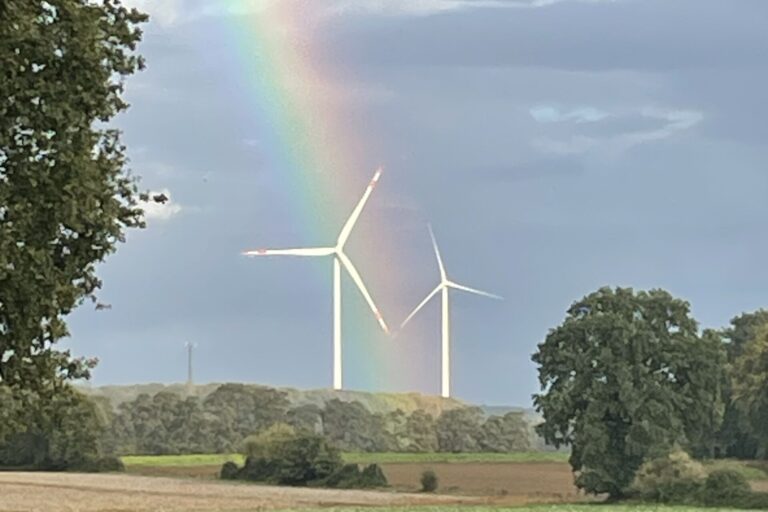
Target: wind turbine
{"points": [[443, 287], [339, 259]]}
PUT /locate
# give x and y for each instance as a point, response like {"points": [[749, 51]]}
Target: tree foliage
{"points": [[66, 196], [62, 430], [504, 434], [626, 375], [237, 416], [458, 430], [750, 387], [736, 437]]}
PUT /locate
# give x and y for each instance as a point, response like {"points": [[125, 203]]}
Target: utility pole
{"points": [[190, 382]]}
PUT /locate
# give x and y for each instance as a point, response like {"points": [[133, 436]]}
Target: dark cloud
{"points": [[640, 34], [445, 102]]}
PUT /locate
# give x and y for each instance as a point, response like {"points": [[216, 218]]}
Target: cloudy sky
{"points": [[556, 146]]}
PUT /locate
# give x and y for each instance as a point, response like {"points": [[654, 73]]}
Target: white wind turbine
{"points": [[443, 287], [339, 259]]}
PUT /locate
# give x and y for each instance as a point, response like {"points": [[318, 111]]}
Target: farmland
{"points": [[357, 458], [504, 478], [469, 483], [102, 493]]}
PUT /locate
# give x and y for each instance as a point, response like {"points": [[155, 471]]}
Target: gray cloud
{"points": [[667, 189]]}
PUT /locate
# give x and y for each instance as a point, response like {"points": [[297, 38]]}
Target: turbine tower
{"points": [[442, 288], [340, 259]]}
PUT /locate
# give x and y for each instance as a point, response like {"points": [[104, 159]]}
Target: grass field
{"points": [[533, 508], [448, 458], [356, 458], [212, 459]]}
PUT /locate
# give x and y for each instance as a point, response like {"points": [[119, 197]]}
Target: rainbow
{"points": [[291, 85]]}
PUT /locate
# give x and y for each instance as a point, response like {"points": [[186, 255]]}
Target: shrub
{"points": [[305, 459], [346, 477], [282, 456], [675, 478], [725, 486], [257, 469], [429, 481], [229, 471], [753, 500], [263, 444], [373, 476], [108, 464]]}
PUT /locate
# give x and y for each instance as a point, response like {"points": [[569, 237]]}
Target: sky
{"points": [[556, 146]]}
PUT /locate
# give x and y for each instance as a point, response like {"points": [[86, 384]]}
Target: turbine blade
{"points": [[310, 251], [347, 229], [421, 305], [355, 275], [474, 290], [443, 277]]}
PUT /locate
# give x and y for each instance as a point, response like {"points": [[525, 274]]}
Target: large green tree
{"points": [[750, 387], [66, 195], [736, 435], [626, 376]]}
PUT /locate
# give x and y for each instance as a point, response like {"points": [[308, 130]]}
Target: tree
{"points": [[307, 418], [242, 410], [421, 432], [66, 196], [750, 387], [504, 434], [735, 435], [352, 427], [61, 431], [460, 430], [623, 378]]}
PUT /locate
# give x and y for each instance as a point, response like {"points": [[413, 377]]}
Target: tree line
{"points": [[169, 423]]}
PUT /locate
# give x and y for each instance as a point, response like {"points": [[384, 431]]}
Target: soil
{"points": [[72, 492], [507, 483], [531, 481]]}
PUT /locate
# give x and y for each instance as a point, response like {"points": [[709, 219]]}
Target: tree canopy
{"points": [[750, 387], [626, 374], [66, 195]]}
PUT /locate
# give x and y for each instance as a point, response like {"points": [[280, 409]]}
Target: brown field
{"points": [[537, 481], [500, 482], [71, 492]]}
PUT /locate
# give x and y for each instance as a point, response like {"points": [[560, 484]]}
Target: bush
{"points": [[753, 501], [101, 465], [345, 477], [349, 476], [265, 442], [675, 478], [258, 469], [725, 487], [285, 457], [429, 481], [305, 459], [229, 471], [373, 476]]}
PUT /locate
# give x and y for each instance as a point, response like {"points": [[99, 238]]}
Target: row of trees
{"points": [[66, 200], [628, 377], [168, 423]]}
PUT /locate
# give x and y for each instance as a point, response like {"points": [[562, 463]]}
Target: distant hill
{"points": [[375, 402]]}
